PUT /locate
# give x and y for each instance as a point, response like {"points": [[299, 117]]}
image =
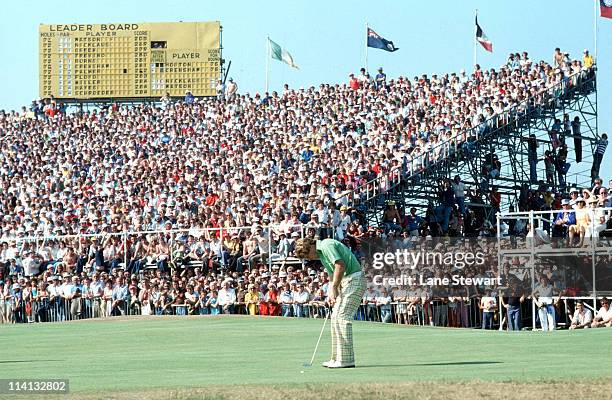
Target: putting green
{"points": [[132, 354]]}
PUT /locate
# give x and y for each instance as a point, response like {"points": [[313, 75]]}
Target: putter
{"points": [[308, 365]]}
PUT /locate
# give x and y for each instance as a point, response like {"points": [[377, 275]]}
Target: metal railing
{"points": [[533, 246], [444, 312]]}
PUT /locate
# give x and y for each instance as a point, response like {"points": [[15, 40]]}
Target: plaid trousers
{"points": [[352, 289]]}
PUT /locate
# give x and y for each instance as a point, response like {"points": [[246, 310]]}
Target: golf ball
{"points": [[301, 372]]}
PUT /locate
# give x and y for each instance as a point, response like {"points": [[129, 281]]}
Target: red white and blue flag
{"points": [[482, 38], [379, 42], [606, 8]]}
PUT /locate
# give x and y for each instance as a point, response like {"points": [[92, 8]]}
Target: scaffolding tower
{"points": [[507, 138]]}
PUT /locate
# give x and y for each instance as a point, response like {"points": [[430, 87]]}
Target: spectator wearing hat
{"points": [[563, 220], [251, 299], [583, 222], [264, 299], [598, 222], [283, 248], [272, 300], [17, 308], [574, 193], [582, 317], [343, 224]]}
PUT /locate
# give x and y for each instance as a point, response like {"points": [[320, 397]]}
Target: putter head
{"points": [[307, 365]]}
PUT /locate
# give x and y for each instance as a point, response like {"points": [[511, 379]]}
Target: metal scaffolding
{"points": [[506, 136]]}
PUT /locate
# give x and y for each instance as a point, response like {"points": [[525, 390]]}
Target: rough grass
{"points": [[539, 390]]}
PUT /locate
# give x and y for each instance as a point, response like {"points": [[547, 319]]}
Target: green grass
{"points": [[118, 355]]}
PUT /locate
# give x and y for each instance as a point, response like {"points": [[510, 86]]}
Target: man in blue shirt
{"points": [[120, 295], [413, 222], [564, 219], [381, 79]]}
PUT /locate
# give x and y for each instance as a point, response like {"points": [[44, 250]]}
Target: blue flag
{"points": [[379, 42]]}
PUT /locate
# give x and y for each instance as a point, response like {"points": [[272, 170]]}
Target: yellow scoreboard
{"points": [[114, 61]]}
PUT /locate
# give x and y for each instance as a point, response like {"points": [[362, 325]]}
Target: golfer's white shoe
{"points": [[337, 364], [326, 364]]}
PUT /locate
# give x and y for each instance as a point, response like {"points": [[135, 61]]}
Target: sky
{"points": [[327, 38]]}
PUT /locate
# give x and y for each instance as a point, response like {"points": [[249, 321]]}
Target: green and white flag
{"points": [[280, 54]]}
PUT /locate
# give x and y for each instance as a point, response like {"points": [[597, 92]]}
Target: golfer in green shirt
{"points": [[345, 293]]}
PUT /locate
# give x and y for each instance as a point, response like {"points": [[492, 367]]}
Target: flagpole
{"points": [[267, 60], [474, 38], [595, 62], [366, 49], [595, 29]]}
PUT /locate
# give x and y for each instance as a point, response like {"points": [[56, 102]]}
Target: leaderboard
{"points": [[130, 60]]}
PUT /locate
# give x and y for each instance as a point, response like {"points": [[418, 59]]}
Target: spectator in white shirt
{"points": [[345, 221], [582, 317], [459, 189], [603, 318], [301, 297], [227, 298], [286, 301]]}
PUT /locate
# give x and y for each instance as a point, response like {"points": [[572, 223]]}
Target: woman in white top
{"points": [[107, 298], [583, 222], [598, 222]]}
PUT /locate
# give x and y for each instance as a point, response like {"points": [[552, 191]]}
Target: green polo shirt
{"points": [[330, 251]]}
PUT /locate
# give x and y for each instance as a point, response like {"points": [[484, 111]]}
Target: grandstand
{"points": [[197, 191], [505, 135]]}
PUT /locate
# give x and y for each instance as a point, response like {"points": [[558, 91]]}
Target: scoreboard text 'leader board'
{"points": [[131, 60]]}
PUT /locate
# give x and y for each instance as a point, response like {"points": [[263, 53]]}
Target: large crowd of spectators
{"points": [[231, 182]]}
